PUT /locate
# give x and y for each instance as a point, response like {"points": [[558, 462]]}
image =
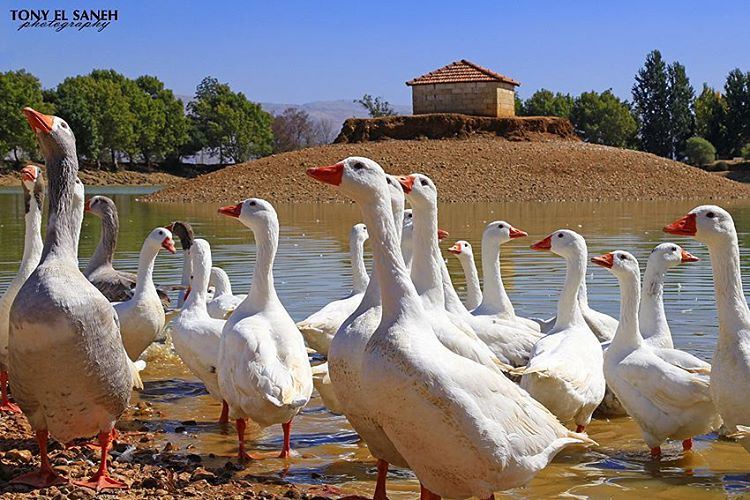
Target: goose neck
{"points": [[568, 308], [473, 289], [222, 285], [262, 290], [495, 299], [628, 335], [105, 250], [359, 272], [396, 289], [146, 260], [425, 269], [651, 316], [62, 227], [734, 316], [33, 243]]}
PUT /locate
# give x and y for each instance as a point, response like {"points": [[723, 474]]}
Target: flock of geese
{"points": [[470, 396]]}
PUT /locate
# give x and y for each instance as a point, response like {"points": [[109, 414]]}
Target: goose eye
{"points": [[358, 166], [710, 215], [623, 257], [500, 226], [424, 182], [161, 233], [252, 203], [388, 180], [674, 249], [63, 125], [559, 235]]}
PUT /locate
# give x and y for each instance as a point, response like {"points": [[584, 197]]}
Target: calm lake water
{"points": [[312, 268]]}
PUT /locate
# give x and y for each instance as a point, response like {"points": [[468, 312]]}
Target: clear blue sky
{"points": [[303, 51]]}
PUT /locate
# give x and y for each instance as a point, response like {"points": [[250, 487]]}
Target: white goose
{"points": [[495, 300], [666, 401], [565, 371], [223, 302], [730, 366], [264, 373], [142, 317], [652, 319], [449, 417], [456, 331], [509, 344], [195, 334], [348, 347], [465, 255], [319, 328], [33, 194], [69, 369], [322, 384]]}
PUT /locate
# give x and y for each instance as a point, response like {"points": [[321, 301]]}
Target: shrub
{"points": [[745, 151], [699, 151]]}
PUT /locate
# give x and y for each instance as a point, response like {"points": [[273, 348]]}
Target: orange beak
{"points": [[29, 173], [87, 206], [455, 249], [329, 175], [407, 183], [606, 260], [442, 233], [40, 123], [231, 210], [517, 233], [684, 226], [168, 244], [688, 257], [545, 244]]}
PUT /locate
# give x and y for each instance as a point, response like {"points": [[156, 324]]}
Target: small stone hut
{"points": [[464, 87]]}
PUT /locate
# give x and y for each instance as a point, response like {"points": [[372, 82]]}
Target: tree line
{"points": [[115, 117], [665, 117]]}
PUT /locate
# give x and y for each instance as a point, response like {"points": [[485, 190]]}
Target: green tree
{"points": [[603, 119], [737, 95], [228, 124], [681, 99], [18, 89], [75, 102], [699, 151], [651, 106], [376, 106], [161, 126], [545, 103], [294, 129], [118, 99], [710, 117]]}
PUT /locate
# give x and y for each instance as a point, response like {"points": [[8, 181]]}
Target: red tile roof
{"points": [[461, 71]]}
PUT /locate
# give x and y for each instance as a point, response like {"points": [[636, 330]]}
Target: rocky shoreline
{"points": [[151, 471]]}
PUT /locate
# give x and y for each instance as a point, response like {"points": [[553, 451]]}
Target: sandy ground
{"points": [[104, 178], [149, 471], [479, 169]]}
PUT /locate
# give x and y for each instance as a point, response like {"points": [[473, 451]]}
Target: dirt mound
{"points": [[453, 125], [479, 169]]}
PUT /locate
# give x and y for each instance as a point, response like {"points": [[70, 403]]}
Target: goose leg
{"points": [[46, 475], [5, 404], [687, 444], [656, 452], [224, 418], [425, 494], [380, 491], [286, 451], [102, 480], [580, 428], [242, 454]]}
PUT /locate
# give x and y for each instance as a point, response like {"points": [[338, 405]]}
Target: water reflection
{"points": [[312, 268]]}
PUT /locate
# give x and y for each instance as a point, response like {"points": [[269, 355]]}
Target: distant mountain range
{"points": [[335, 111]]}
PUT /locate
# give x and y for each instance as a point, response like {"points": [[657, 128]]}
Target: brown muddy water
{"points": [[312, 268]]}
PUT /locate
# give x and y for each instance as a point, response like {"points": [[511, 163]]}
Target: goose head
{"points": [[668, 255], [32, 182], [359, 233], [620, 263], [359, 178], [563, 242], [462, 250], [420, 190], [184, 232], [161, 237], [499, 232], [55, 138], [254, 213], [200, 259], [707, 224], [101, 206], [397, 193]]}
